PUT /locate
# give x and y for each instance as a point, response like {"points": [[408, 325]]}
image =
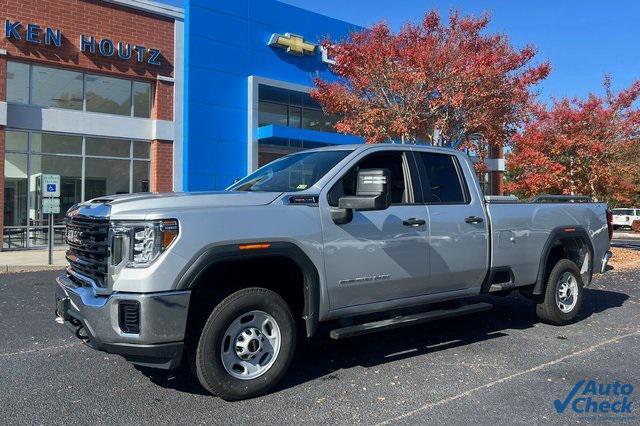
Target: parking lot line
{"points": [[539, 367], [48, 348]]}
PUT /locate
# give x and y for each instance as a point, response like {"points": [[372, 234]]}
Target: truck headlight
{"points": [[144, 241]]}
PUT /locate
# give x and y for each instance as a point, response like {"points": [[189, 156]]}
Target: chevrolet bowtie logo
{"points": [[294, 44]]}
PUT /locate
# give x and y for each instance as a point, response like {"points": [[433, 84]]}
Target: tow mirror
{"points": [[373, 191]]}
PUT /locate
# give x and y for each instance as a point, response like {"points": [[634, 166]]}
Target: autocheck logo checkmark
{"points": [[562, 405], [588, 397]]}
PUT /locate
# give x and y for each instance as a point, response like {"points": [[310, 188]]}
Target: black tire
{"points": [[208, 360], [548, 310]]}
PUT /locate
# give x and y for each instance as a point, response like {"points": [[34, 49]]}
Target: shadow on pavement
{"points": [[180, 380], [324, 358]]}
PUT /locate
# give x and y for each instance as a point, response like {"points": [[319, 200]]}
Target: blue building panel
{"points": [[222, 89], [226, 44], [221, 26], [266, 133]]}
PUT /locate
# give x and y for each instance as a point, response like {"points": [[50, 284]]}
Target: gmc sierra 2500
{"points": [[225, 279]]}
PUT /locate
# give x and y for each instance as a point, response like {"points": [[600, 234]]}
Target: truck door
{"points": [[377, 255], [458, 232]]}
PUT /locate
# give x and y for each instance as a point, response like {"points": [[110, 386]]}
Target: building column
{"points": [[161, 166], [3, 122], [161, 150], [496, 168]]}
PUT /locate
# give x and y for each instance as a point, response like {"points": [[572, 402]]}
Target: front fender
{"points": [[214, 254]]}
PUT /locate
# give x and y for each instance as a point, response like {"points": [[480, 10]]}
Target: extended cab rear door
{"points": [[458, 232]]}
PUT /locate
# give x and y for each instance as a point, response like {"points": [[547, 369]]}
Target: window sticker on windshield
{"points": [[302, 186]]}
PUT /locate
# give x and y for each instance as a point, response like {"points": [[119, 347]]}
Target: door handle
{"points": [[474, 219], [414, 222]]}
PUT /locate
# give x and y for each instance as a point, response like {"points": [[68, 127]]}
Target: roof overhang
{"points": [[151, 7]]}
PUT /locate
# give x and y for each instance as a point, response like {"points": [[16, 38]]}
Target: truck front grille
{"points": [[88, 253]]}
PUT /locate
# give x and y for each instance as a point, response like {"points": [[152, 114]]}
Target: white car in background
{"points": [[625, 217]]}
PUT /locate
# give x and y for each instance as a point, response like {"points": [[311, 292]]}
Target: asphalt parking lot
{"points": [[495, 367]]}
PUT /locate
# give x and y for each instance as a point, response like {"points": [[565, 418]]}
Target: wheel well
{"points": [[277, 273], [577, 249]]}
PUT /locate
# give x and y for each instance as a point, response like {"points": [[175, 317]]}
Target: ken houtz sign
{"points": [[35, 34]]}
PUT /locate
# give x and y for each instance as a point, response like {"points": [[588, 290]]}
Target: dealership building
{"points": [[89, 90], [121, 96]]}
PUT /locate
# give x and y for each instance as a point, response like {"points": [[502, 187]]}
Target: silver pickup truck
{"points": [[228, 281]]}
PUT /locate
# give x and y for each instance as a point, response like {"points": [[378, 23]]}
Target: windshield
{"points": [[295, 172]]}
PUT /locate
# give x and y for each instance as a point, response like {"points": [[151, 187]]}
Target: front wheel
{"points": [[246, 345], [563, 295]]}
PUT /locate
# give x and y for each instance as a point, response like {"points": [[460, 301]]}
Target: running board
{"points": [[401, 321], [495, 288]]}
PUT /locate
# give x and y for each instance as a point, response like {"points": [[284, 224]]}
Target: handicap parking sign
{"points": [[50, 185]]}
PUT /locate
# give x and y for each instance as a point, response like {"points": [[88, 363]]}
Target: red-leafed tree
{"points": [[433, 82], [588, 147]]}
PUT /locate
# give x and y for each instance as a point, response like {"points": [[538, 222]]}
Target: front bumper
{"points": [[96, 320]]}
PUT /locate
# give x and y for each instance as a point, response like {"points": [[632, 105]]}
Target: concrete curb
{"points": [[18, 269]]}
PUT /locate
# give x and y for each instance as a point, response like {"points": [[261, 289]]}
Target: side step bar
{"points": [[501, 287], [401, 321]]}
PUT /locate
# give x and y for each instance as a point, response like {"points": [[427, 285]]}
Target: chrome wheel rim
{"points": [[567, 292], [250, 345]]}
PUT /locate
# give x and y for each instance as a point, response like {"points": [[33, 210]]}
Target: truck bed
{"points": [[521, 232]]}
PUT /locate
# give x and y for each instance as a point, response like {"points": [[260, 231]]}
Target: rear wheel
{"points": [[563, 295], [246, 345]]}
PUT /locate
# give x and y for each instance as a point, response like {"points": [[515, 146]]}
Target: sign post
{"points": [[50, 205]]}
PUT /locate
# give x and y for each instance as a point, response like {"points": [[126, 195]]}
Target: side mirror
{"points": [[373, 191]]}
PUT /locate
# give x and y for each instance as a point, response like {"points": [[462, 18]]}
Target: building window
{"points": [[292, 109], [141, 99], [56, 88], [51, 143], [273, 113], [316, 120], [105, 177], [59, 88], [289, 108], [88, 167], [109, 95], [17, 82], [108, 147]]}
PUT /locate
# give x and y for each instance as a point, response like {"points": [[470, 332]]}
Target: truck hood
{"points": [[158, 203]]}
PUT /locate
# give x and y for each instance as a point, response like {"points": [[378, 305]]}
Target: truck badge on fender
{"points": [[364, 279]]}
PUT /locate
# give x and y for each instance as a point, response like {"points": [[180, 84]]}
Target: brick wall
{"points": [[100, 20], [163, 101], [162, 166], [3, 73], [92, 18]]}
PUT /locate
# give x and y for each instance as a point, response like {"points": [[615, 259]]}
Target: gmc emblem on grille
{"points": [[74, 236]]}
